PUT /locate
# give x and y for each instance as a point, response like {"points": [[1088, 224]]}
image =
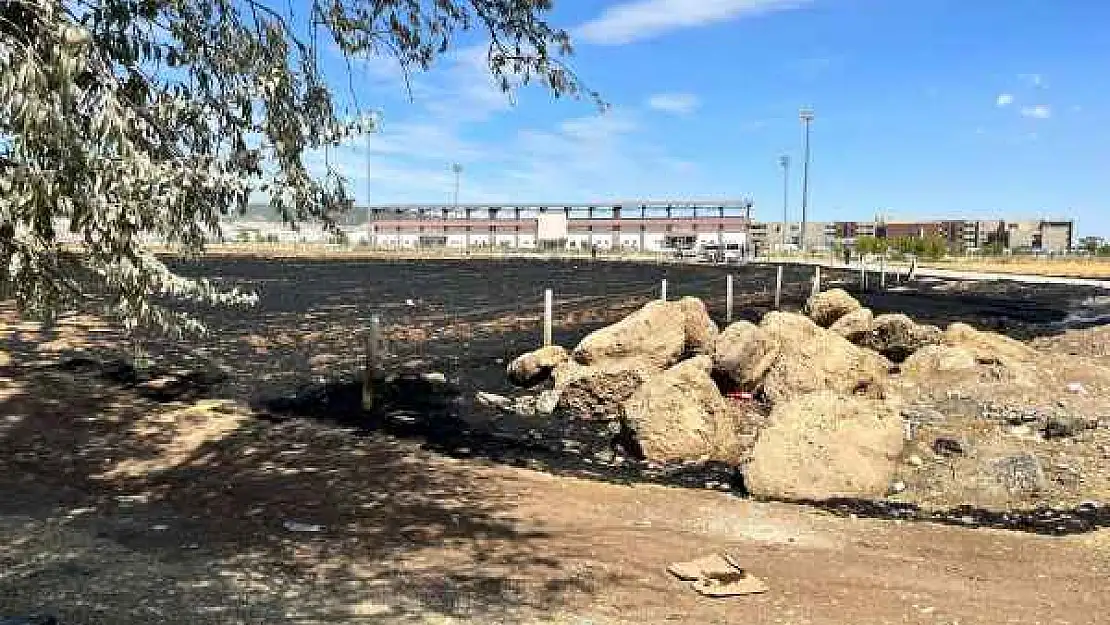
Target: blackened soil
{"points": [[466, 319]]}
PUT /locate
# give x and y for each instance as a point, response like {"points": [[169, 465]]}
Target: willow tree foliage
{"points": [[133, 120]]}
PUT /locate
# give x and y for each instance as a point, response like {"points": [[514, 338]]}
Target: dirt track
{"points": [[117, 509]]}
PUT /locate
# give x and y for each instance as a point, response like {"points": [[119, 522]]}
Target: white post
{"points": [[728, 298], [862, 274], [778, 288], [547, 301], [663, 290], [816, 280], [373, 339], [882, 275]]}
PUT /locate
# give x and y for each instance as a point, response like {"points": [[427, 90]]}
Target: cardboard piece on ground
{"points": [[717, 575], [730, 585], [706, 566]]}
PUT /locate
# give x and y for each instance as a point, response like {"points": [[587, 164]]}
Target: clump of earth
{"points": [[836, 403]]}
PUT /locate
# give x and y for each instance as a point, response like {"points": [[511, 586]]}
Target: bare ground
{"points": [[411, 536]]}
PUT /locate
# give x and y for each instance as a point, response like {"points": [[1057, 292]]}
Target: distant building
{"points": [[961, 235], [1040, 236], [632, 226], [779, 236], [1092, 242], [1057, 236]]}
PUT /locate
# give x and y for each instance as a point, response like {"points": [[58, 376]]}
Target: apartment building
{"points": [[1042, 236], [777, 236]]}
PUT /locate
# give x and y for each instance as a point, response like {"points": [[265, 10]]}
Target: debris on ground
{"points": [[717, 575], [299, 527]]}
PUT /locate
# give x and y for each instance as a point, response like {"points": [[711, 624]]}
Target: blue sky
{"points": [[938, 108]]}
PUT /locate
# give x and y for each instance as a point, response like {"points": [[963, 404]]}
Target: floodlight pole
{"points": [[806, 115], [784, 162], [457, 169]]}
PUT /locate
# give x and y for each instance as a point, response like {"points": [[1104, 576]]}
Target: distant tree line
{"points": [[931, 246], [1096, 247]]}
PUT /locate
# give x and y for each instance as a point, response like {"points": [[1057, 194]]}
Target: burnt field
{"points": [[299, 352], [467, 319]]}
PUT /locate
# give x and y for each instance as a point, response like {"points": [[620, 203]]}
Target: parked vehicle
{"points": [[722, 253]]}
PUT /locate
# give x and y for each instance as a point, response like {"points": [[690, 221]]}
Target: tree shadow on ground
{"points": [[446, 434], [254, 522]]}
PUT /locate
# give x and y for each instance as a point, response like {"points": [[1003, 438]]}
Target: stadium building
{"points": [[628, 226]]}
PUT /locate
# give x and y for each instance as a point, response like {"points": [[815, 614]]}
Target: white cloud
{"points": [[596, 157], [1039, 111], [1004, 99], [675, 103], [590, 157], [454, 116], [642, 19]]}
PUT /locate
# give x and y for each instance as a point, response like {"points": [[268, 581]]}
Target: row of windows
{"points": [[614, 228]]}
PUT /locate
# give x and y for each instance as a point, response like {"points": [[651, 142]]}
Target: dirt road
{"points": [[442, 541]]}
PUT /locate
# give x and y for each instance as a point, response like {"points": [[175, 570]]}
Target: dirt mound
{"points": [[700, 330], [596, 392], [936, 361], [680, 415], [812, 359], [654, 336], [896, 336], [1093, 342], [744, 352], [988, 346], [826, 307], [534, 367], [824, 445], [854, 325]]}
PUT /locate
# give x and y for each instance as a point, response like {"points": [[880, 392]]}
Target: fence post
{"points": [[371, 347], [882, 274], [663, 290], [547, 301], [728, 298], [816, 280], [862, 274], [778, 287]]}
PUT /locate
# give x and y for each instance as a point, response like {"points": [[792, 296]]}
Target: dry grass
{"points": [[1070, 267], [321, 251]]}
